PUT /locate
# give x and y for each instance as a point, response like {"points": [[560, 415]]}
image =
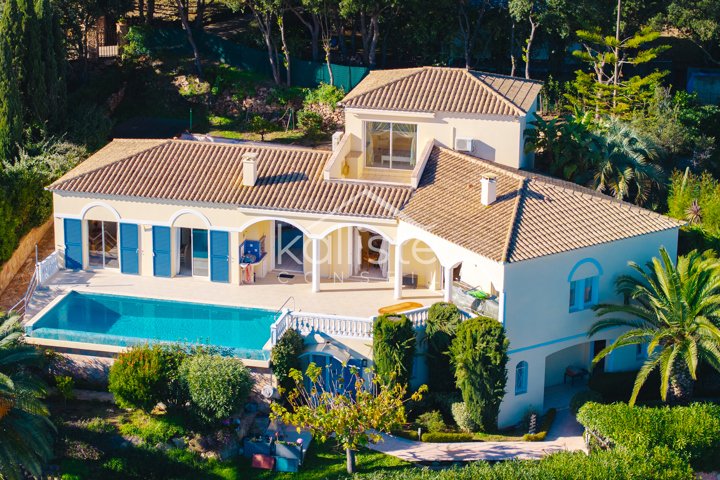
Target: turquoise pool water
{"points": [[125, 321]]}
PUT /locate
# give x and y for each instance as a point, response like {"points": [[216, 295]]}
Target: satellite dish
{"points": [[267, 391]]}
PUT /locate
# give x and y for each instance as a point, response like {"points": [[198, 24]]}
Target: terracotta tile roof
{"points": [[288, 179], [439, 89], [533, 215]]}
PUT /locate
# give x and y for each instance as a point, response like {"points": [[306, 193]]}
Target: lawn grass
{"points": [[97, 427]]}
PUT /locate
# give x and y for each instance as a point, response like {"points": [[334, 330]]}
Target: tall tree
{"points": [[699, 21], [10, 102], [52, 53], [675, 311], [533, 11], [26, 431], [369, 14], [470, 18], [319, 24], [182, 11]]}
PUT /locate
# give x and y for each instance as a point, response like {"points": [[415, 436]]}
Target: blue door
{"points": [[73, 244], [219, 256], [129, 248], [161, 251]]}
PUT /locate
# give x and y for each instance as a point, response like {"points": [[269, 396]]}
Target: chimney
{"points": [[249, 164], [488, 188]]}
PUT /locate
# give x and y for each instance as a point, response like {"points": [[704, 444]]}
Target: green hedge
{"points": [[447, 437], [693, 431], [393, 348], [547, 422], [285, 356], [443, 320], [657, 464]]}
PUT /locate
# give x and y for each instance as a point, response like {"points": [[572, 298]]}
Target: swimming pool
{"points": [[125, 321]]}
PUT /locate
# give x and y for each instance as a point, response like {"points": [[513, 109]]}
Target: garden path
{"points": [[564, 435]]}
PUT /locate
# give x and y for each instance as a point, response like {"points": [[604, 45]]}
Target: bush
{"points": [[261, 126], [310, 123], [432, 421], [65, 386], [138, 376], [656, 464], [443, 320], [693, 431], [218, 386], [581, 398], [479, 354], [393, 348], [152, 429], [88, 125], [136, 44], [462, 417], [285, 356], [324, 94], [543, 430], [447, 437]]}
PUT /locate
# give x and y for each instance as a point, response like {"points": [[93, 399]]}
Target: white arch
{"points": [[273, 219], [189, 211], [107, 206], [358, 225], [445, 261]]}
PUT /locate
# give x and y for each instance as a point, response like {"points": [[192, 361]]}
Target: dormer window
{"points": [[390, 145]]}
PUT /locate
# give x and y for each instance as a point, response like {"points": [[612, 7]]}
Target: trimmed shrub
{"points": [[581, 398], [218, 386], [138, 377], [393, 348], [693, 431], [542, 432], [462, 417], [447, 437], [479, 354], [285, 356], [311, 123], [443, 320], [432, 421], [656, 464]]}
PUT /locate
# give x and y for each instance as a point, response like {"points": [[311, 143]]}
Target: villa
{"points": [[427, 195]]}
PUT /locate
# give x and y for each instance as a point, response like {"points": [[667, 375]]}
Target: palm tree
{"points": [[626, 167], [26, 433], [675, 310]]}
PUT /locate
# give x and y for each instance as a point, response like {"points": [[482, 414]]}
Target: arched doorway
{"points": [[102, 240]]}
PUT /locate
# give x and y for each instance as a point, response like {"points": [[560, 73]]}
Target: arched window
{"points": [[584, 280], [521, 378]]}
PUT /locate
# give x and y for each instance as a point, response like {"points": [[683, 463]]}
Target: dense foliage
{"points": [[393, 348], [674, 309], [692, 432], [217, 386], [479, 355], [285, 356], [443, 320], [26, 431], [462, 417]]}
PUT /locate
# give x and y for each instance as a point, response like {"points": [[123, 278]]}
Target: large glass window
{"points": [[103, 244], [390, 145]]}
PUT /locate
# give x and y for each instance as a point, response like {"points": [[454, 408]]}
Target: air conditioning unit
{"points": [[463, 144]]}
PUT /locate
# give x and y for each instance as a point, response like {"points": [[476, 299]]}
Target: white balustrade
{"points": [[47, 268]]}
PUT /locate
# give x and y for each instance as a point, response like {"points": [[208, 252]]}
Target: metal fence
{"points": [[304, 73]]}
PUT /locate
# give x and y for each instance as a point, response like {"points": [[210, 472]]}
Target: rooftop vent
{"points": [[488, 188], [249, 165]]}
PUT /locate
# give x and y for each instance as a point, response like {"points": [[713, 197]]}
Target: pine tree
{"points": [[53, 62], [32, 79], [10, 103]]}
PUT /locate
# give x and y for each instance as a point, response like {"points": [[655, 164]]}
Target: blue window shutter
{"points": [[129, 248], [73, 244], [219, 256], [161, 251]]}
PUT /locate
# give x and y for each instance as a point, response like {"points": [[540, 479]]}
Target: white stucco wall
{"points": [[537, 317], [496, 138]]}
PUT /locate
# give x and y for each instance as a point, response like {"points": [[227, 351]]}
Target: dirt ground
{"points": [[18, 285]]}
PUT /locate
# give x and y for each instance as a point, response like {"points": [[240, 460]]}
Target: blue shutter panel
{"points": [[161, 251], [219, 256], [73, 244], [129, 248]]}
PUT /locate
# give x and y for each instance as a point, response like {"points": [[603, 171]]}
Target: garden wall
{"points": [[23, 250], [304, 73]]}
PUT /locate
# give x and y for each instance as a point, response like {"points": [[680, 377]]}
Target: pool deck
{"points": [[355, 298]]}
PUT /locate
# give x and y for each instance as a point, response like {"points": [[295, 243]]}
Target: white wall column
{"points": [[447, 291], [398, 271], [315, 265]]}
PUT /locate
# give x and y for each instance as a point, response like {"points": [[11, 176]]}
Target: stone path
{"points": [[565, 434]]}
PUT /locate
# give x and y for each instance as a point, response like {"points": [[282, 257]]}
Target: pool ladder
{"points": [[279, 310]]}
